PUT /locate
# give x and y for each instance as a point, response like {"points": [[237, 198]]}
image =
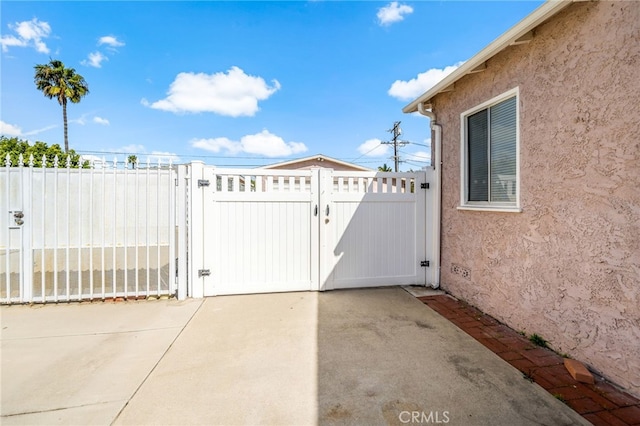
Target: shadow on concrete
{"points": [[385, 358]]}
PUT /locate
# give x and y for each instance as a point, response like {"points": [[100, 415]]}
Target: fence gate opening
{"points": [[260, 230]]}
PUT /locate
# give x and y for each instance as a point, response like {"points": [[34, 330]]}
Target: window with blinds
{"points": [[491, 150]]}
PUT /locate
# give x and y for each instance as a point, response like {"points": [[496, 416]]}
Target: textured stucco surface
{"points": [[568, 266]]}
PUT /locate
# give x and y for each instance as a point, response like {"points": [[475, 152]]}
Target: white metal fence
{"points": [[86, 233]]}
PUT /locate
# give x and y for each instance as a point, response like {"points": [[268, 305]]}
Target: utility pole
{"points": [[396, 132]]}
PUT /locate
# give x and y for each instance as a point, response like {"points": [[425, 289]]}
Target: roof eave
{"points": [[312, 157], [534, 19]]}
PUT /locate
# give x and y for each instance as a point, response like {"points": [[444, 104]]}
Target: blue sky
{"points": [[240, 83]]}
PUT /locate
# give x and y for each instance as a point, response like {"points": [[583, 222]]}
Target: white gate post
{"points": [[316, 283], [196, 234], [423, 223], [26, 293], [326, 258], [432, 218], [181, 222]]}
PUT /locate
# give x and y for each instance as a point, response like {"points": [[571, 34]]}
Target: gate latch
{"points": [[424, 263], [204, 273], [17, 217]]}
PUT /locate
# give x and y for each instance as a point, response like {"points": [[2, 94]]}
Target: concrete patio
{"points": [[374, 356]]}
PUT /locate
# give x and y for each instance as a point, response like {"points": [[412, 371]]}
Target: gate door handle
{"points": [[327, 211], [315, 211]]}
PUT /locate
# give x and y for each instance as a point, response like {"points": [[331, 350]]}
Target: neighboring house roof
{"points": [[317, 161], [521, 33]]}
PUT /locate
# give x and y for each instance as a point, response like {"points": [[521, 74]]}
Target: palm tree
{"points": [[56, 81], [384, 168], [133, 160]]}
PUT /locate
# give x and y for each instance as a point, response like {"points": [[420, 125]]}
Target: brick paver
{"points": [[601, 403]]}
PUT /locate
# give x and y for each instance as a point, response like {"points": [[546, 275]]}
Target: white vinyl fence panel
{"points": [[86, 233], [261, 230], [258, 230], [374, 229]]}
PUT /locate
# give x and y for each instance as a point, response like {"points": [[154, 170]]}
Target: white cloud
{"points": [[373, 148], [232, 94], [217, 145], [33, 30], [9, 40], [81, 120], [270, 145], [100, 120], [263, 143], [29, 33], [393, 12], [44, 129], [95, 60], [110, 41], [409, 90], [7, 129]]}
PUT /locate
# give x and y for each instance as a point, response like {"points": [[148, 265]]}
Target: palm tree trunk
{"points": [[64, 118]]}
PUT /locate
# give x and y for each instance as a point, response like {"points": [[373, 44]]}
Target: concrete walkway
{"points": [[376, 356]]}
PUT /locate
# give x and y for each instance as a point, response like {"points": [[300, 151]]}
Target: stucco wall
{"points": [[568, 266]]}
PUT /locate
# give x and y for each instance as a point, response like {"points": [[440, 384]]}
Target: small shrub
{"points": [[538, 340]]}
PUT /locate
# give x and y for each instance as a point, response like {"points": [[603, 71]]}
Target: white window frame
{"points": [[465, 204]]}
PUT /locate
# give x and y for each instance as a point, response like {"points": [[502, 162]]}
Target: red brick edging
{"points": [[600, 403]]}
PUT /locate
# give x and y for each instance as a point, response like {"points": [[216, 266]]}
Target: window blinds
{"points": [[503, 150], [477, 132], [491, 138]]}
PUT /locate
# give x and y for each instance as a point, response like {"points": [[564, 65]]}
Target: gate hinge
{"points": [[424, 185], [424, 263], [202, 182], [203, 273]]}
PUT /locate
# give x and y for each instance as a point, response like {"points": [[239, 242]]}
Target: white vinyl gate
{"points": [[260, 230]]}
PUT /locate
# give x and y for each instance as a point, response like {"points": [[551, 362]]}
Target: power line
{"points": [[419, 164], [420, 144], [266, 160], [417, 156], [375, 147], [182, 155]]}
